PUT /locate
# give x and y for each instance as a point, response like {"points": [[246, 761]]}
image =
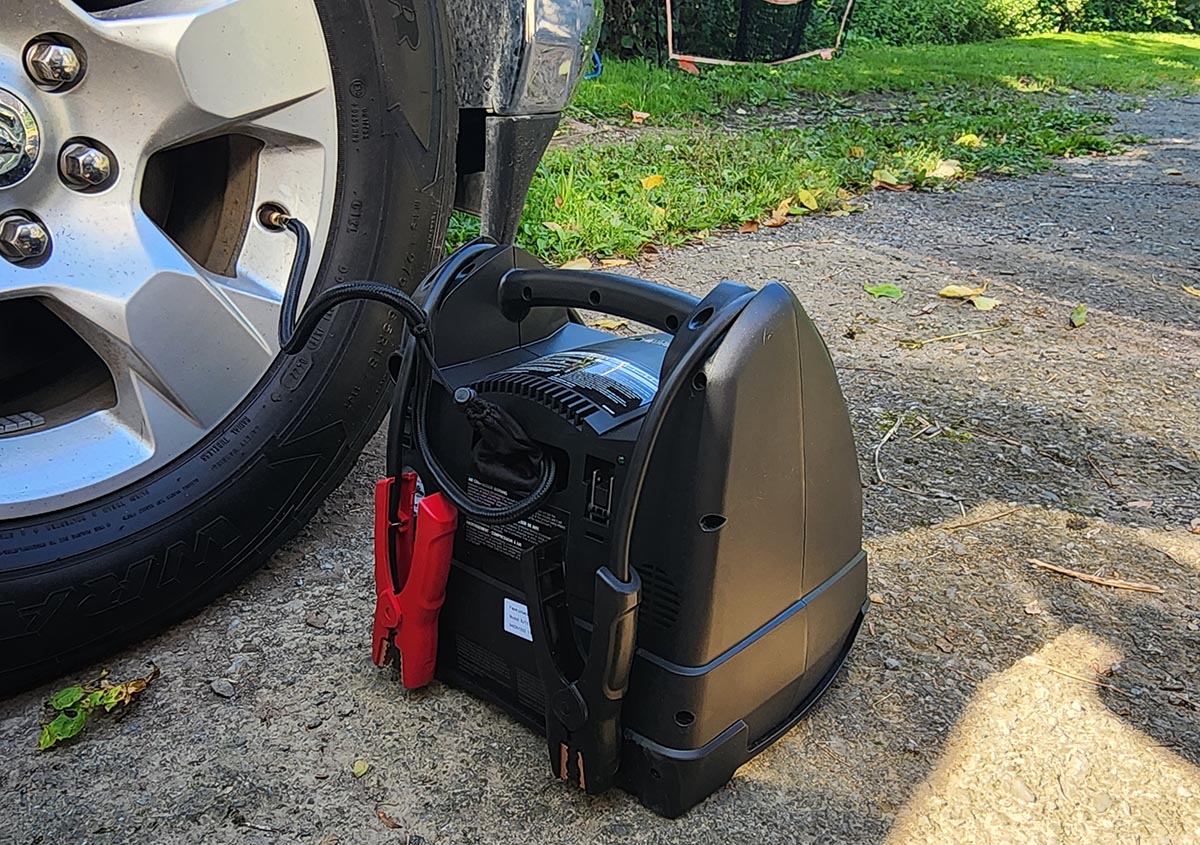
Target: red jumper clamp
{"points": [[412, 563]]}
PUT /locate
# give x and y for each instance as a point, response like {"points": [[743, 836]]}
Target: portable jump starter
{"points": [[647, 548]]}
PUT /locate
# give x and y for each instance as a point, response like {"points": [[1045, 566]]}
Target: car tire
{"points": [[78, 583]]}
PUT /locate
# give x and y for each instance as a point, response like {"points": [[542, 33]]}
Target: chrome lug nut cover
{"points": [[52, 64], [22, 239], [83, 166]]}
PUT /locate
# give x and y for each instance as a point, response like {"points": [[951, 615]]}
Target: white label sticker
{"points": [[516, 619]]}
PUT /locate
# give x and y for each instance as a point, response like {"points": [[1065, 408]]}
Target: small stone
{"points": [[916, 638], [239, 662], [345, 708], [892, 663], [234, 624], [839, 746], [1022, 792], [1076, 523], [223, 688], [327, 565], [1034, 608], [316, 619], [959, 549], [1050, 496], [1101, 801], [314, 723]]}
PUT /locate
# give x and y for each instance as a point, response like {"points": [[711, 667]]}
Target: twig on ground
{"points": [[913, 343], [1086, 680], [1096, 467], [1116, 583], [980, 521], [886, 438], [869, 370]]}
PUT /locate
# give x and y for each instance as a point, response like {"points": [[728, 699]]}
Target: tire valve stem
{"points": [[273, 216]]}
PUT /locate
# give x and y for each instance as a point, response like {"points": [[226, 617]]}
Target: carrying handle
{"points": [[666, 309]]}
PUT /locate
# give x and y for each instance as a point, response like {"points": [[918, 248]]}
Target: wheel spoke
{"points": [[176, 70], [156, 320]]}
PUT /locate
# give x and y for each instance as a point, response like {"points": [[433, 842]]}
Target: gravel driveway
{"points": [[987, 700]]}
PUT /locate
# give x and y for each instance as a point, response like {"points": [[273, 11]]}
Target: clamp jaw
{"points": [[412, 564], [583, 694]]}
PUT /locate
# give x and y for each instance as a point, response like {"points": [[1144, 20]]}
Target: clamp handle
{"points": [[583, 695]]}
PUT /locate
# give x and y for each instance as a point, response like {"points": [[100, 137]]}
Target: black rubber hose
{"points": [[639, 462], [295, 331]]}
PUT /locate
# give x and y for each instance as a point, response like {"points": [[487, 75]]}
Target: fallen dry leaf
{"points": [[840, 212], [387, 820], [613, 262], [1172, 171], [608, 324], [983, 303], [961, 291], [857, 152], [1140, 504], [552, 226], [946, 169], [748, 228], [652, 181], [779, 215], [888, 181], [558, 202], [807, 199], [577, 264], [360, 768], [640, 116], [689, 67], [1188, 289]]}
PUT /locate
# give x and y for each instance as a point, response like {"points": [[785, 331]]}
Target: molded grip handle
{"points": [[666, 309]]}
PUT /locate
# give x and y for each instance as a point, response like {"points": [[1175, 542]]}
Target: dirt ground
{"points": [[986, 700]]}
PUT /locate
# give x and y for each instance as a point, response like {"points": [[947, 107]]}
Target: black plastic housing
{"points": [[747, 538]]}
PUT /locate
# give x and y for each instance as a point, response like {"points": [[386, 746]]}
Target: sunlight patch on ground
{"points": [[1039, 757]]}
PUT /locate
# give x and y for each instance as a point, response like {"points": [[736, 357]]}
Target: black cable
{"points": [[295, 331]]}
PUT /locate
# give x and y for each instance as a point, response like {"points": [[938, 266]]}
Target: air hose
{"points": [[294, 332]]}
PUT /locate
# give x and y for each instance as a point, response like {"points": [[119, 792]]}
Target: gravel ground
{"points": [[986, 701]]}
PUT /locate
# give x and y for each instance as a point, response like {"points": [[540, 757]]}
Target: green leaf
{"points": [[94, 699], [64, 726], [67, 697], [1079, 316], [884, 291]]}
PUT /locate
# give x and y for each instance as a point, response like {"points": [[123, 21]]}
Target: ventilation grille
{"points": [[476, 660], [530, 692], [560, 399], [660, 598]]}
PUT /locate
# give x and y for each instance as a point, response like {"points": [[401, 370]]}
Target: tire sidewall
{"points": [[77, 582]]}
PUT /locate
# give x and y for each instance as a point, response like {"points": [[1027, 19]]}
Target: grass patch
{"points": [[589, 200], [1122, 62], [910, 107]]}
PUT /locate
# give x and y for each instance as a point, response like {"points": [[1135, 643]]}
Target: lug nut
{"points": [[22, 239], [52, 64], [83, 166]]}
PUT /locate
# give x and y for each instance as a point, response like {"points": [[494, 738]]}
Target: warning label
{"points": [[615, 384], [518, 537]]}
